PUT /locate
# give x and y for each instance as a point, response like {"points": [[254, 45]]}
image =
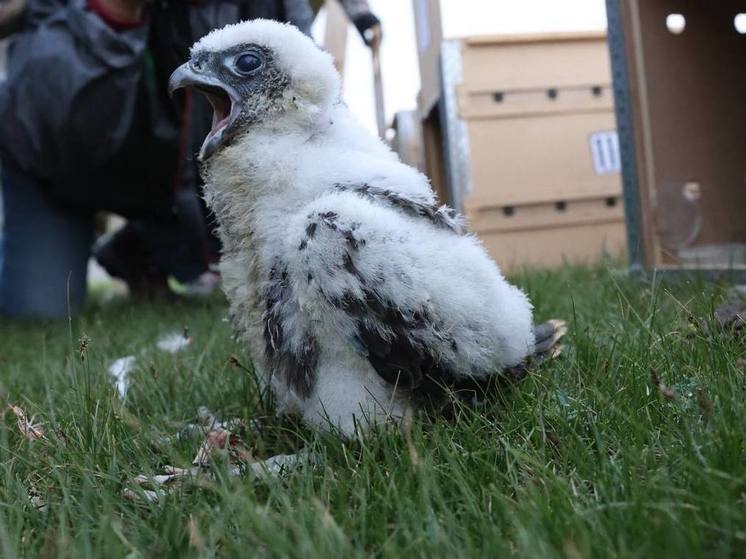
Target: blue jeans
{"points": [[44, 251]]}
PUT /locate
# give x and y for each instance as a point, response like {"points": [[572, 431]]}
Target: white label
{"points": [[605, 152]]}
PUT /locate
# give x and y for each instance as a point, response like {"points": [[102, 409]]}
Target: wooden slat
{"points": [[335, 34]]}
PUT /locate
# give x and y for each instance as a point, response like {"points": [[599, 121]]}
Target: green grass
{"points": [[584, 459]]}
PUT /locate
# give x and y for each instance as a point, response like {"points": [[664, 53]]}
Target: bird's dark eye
{"points": [[247, 63]]}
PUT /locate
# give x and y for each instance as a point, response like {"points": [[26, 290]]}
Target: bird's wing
{"points": [[418, 207], [354, 263]]}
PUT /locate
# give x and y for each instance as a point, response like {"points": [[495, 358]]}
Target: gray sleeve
{"points": [[70, 93]]}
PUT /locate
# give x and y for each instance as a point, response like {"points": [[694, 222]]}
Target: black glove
{"points": [[363, 23]]}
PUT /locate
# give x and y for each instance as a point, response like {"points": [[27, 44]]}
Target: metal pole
{"points": [[374, 37]]}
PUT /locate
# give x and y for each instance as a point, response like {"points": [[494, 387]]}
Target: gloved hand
{"points": [[369, 27]]}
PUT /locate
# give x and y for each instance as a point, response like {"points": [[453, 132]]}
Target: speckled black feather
{"points": [[389, 338], [441, 216], [296, 365]]}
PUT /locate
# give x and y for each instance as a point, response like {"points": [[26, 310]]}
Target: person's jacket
{"points": [[85, 108]]}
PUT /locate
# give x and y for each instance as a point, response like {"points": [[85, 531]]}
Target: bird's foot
{"points": [[548, 337]]}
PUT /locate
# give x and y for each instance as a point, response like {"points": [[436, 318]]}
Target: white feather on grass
{"points": [[120, 371]]}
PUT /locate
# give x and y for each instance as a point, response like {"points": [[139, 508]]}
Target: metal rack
{"points": [[625, 130]]}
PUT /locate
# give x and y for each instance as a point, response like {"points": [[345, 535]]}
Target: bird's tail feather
{"points": [[472, 391]]}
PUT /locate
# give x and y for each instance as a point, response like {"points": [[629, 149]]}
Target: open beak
{"points": [[225, 103]]}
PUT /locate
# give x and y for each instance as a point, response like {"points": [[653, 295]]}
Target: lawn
{"points": [[631, 444]]}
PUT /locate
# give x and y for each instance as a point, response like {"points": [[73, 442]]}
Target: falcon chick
{"points": [[356, 295]]}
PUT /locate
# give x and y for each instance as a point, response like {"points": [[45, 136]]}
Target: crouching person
{"points": [[86, 125]]}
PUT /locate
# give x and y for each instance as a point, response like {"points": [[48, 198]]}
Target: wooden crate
{"points": [[543, 163], [681, 96], [428, 25], [550, 234]]}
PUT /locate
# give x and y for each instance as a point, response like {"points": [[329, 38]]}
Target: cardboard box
{"points": [[537, 173], [428, 24], [680, 92], [551, 234], [407, 139]]}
